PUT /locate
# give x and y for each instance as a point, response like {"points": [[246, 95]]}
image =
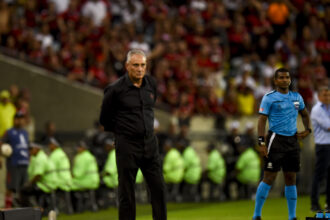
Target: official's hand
{"points": [[303, 134], [263, 150]]}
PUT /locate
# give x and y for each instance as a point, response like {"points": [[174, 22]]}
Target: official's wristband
{"points": [[261, 140]]}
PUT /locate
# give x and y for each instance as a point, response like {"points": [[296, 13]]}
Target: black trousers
{"points": [[322, 171], [133, 153]]}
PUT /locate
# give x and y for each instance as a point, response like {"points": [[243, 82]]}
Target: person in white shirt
{"points": [[96, 10], [320, 117]]}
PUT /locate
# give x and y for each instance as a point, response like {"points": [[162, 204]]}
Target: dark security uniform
{"points": [[127, 111]]}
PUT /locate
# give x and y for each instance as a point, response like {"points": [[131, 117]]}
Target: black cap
{"points": [[53, 141], [109, 141], [35, 145], [19, 114], [82, 144]]}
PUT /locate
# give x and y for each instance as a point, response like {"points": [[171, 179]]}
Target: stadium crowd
{"points": [[209, 57]]}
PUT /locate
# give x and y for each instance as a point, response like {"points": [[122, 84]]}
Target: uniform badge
{"points": [[296, 105], [269, 165]]}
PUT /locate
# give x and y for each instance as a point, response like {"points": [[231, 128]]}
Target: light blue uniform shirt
{"points": [[282, 111], [320, 117]]}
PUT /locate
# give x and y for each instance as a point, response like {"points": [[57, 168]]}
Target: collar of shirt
{"points": [[325, 107], [129, 83]]}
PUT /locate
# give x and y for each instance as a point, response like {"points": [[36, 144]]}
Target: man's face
{"points": [[19, 122], [324, 96], [283, 80], [34, 151], [136, 67]]}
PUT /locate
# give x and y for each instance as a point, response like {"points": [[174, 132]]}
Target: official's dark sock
{"points": [[291, 198], [261, 195]]}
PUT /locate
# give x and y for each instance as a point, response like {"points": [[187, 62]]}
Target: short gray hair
{"points": [[134, 51]]}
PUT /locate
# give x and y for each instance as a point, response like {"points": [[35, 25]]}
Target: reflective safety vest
{"points": [[62, 169], [41, 165], [85, 172]]}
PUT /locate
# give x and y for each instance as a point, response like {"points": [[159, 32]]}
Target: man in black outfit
{"points": [[127, 111]]}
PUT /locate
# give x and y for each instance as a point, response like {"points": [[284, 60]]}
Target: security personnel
{"points": [[7, 112], [192, 171], [41, 169], [248, 169], [215, 169], [173, 168], [84, 170], [42, 176], [63, 173], [62, 165], [127, 111], [248, 165], [110, 174]]}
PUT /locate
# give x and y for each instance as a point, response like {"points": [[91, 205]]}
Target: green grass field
{"points": [[274, 209]]}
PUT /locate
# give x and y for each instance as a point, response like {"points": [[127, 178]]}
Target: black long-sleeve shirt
{"points": [[127, 109]]}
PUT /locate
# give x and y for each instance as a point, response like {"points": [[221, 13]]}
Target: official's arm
{"points": [[305, 119], [261, 133]]}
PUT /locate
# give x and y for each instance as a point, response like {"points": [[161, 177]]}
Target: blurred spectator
{"points": [[14, 93], [278, 14], [77, 73], [7, 112], [245, 101], [249, 135], [215, 172], [4, 21], [96, 10], [60, 5], [96, 74], [49, 133], [45, 37], [42, 179], [305, 85], [247, 170], [139, 43], [17, 163], [233, 139], [173, 169], [192, 172], [24, 106], [110, 174], [62, 165], [84, 170], [97, 142]]}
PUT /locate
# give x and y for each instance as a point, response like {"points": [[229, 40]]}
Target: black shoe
{"points": [[316, 208], [257, 218]]}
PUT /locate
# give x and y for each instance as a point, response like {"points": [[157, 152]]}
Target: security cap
{"points": [[5, 94]]}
